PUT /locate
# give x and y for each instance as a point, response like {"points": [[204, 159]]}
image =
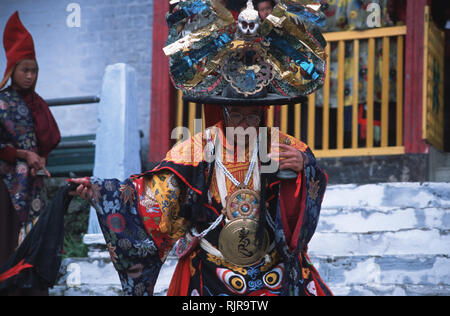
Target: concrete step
{"points": [[88, 277], [409, 242], [384, 219], [372, 289], [362, 220], [385, 239], [386, 275], [97, 277], [388, 196]]}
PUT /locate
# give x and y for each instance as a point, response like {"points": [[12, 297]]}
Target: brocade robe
{"points": [[143, 217], [17, 130]]}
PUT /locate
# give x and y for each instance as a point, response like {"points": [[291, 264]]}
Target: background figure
{"points": [[235, 5], [264, 7], [353, 15], [28, 133]]}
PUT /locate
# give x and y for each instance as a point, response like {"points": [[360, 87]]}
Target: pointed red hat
{"points": [[18, 45]]}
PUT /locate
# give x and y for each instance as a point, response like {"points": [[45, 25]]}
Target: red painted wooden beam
{"points": [[414, 58], [161, 120]]}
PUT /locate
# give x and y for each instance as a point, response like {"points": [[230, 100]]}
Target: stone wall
{"points": [[72, 60]]}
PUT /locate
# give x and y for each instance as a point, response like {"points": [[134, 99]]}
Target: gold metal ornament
{"points": [[242, 203], [238, 244], [237, 240]]}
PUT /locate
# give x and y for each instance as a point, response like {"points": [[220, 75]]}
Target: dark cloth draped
{"points": [[9, 225], [35, 264]]}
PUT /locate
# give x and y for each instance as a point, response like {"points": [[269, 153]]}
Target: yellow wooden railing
{"points": [[291, 120], [357, 149]]}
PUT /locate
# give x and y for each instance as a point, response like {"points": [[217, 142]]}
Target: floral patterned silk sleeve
{"points": [[140, 223]]}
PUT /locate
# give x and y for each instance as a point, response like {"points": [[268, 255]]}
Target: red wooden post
{"points": [[162, 89], [277, 117], [414, 59]]}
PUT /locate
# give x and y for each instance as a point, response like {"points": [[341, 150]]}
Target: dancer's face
{"points": [[245, 122], [243, 116]]}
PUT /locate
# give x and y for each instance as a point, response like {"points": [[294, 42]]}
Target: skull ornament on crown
{"points": [[248, 20]]}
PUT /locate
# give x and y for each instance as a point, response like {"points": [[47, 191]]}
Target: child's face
{"points": [[264, 9], [25, 74]]}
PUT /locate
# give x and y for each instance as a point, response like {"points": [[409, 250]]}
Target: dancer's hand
{"points": [[290, 158], [84, 189]]}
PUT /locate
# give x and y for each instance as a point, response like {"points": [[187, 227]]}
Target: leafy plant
{"points": [[75, 225], [76, 221]]}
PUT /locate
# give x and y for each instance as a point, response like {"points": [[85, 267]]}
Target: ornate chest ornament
{"points": [[237, 240]]}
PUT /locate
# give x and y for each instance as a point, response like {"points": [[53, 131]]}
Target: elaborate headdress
{"points": [[18, 44], [270, 62]]}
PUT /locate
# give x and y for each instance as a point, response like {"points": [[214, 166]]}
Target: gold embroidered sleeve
{"points": [[167, 192]]}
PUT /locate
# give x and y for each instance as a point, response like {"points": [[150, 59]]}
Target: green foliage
{"points": [[76, 223], [74, 247]]}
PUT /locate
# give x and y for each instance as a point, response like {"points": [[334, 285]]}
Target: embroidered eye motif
{"points": [[233, 281], [273, 278], [237, 282]]}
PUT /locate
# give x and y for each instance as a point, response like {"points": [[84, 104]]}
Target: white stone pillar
{"points": [[117, 143]]}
